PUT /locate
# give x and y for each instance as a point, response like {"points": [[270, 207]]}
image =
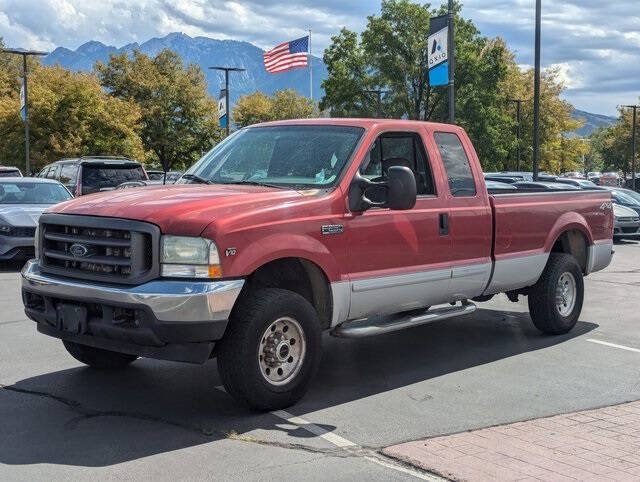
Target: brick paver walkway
{"points": [[599, 445]]}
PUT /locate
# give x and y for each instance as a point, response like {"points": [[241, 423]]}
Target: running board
{"points": [[387, 324]]}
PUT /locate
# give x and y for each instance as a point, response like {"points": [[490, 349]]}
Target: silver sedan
{"points": [[627, 222], [22, 201]]}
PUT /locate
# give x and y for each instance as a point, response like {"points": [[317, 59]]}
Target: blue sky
{"points": [[595, 44]]}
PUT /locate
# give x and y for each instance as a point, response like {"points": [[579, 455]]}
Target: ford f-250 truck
{"points": [[288, 229]]}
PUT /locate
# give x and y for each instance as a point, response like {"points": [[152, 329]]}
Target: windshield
{"points": [[32, 193], [625, 199], [296, 156]]}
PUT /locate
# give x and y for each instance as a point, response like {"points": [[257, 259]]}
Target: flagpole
{"points": [[310, 69]]}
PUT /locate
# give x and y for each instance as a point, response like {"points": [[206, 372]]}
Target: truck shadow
{"points": [[88, 418]]}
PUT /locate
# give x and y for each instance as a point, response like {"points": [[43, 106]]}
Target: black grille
{"points": [[100, 249]]}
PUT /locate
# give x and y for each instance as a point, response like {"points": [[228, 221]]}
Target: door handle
{"points": [[444, 224]]}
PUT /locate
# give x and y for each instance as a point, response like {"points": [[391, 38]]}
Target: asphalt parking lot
{"points": [[164, 420]]}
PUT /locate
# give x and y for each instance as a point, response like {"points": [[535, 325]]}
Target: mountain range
{"points": [[207, 52]]}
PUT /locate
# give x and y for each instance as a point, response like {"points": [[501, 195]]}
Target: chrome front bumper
{"points": [[168, 300]]}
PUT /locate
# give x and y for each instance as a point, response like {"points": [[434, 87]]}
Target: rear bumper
{"points": [[175, 320]]}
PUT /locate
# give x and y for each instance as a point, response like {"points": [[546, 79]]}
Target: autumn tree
{"points": [[179, 119], [284, 104], [613, 144], [69, 114]]}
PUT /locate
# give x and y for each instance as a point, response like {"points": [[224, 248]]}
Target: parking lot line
{"points": [[613, 345], [341, 442]]}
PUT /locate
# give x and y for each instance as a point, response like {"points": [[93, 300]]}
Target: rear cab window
{"points": [[456, 164], [98, 177]]}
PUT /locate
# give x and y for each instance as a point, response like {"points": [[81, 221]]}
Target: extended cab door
{"points": [[470, 219], [399, 260]]}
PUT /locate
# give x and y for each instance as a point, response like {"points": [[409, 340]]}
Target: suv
{"points": [[87, 175]]}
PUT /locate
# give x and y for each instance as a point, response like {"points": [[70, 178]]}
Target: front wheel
{"points": [[555, 301], [271, 349]]}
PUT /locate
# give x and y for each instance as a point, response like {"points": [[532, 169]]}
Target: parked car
{"points": [[544, 186], [633, 194], [593, 174], [8, 171], [495, 187], [627, 222], [172, 176], [620, 197], [351, 226], [501, 178], [22, 201], [629, 184], [87, 175], [573, 175], [609, 179], [579, 183]]}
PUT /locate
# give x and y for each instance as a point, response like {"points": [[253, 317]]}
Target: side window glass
{"points": [[68, 174], [52, 172], [44, 171], [456, 164], [400, 149]]}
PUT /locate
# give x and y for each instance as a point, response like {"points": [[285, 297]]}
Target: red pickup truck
{"points": [[288, 229]]}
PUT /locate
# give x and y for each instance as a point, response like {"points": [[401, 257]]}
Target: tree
{"points": [[179, 119], [392, 54], [70, 115], [613, 144], [285, 104]]}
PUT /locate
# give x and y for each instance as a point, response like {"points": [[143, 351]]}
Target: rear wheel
{"points": [[271, 349], [97, 357], [555, 301]]}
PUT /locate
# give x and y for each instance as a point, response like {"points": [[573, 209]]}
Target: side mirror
{"points": [[399, 188]]}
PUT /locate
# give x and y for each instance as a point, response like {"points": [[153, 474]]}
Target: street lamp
{"points": [[25, 54], [536, 94], [633, 143], [226, 71], [378, 93], [518, 103]]}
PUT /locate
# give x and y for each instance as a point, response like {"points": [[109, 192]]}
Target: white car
{"points": [[627, 222]]}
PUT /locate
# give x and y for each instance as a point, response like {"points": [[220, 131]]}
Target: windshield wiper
{"points": [[257, 183], [195, 177]]}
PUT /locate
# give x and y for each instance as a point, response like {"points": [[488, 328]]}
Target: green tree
{"points": [[613, 144], [70, 115], [179, 119], [284, 104]]}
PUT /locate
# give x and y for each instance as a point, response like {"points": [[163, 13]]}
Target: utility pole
{"points": [[518, 103], [536, 94], [634, 130], [226, 71], [25, 97], [378, 93], [452, 65]]}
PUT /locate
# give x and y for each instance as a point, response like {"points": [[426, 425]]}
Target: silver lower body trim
{"points": [[515, 273], [174, 301], [599, 256]]}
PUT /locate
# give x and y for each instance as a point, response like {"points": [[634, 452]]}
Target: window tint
{"points": [[53, 172], [400, 149], [68, 173], [10, 173], [97, 177], [456, 164]]}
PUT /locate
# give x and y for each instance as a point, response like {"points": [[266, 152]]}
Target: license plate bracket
{"points": [[71, 318]]}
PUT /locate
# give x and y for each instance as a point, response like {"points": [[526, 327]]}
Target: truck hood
{"points": [[185, 209], [22, 215]]}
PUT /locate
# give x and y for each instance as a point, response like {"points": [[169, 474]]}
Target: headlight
{"points": [[186, 257], [36, 242]]}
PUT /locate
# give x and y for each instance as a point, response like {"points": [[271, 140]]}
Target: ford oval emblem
{"points": [[78, 250]]}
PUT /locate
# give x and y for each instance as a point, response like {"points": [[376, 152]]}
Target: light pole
{"points": [[378, 93], [634, 130], [452, 64], [226, 71], [536, 94], [518, 103], [25, 54]]}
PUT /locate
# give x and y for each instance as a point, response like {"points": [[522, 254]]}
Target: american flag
{"points": [[287, 56]]}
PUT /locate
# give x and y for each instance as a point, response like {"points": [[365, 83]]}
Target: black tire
{"points": [[97, 357], [238, 352], [545, 313]]}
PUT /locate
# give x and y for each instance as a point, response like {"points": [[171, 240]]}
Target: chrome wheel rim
{"points": [[281, 351], [566, 294]]}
